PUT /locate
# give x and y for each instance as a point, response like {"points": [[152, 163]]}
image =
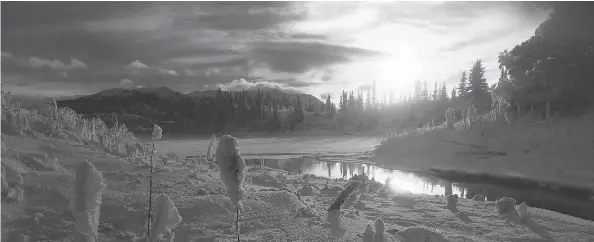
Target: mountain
{"points": [[196, 112], [305, 98]]}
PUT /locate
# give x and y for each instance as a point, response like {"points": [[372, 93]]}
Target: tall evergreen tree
{"points": [[345, 98], [453, 95], [425, 92], [443, 93], [478, 87], [351, 102], [328, 101], [462, 86], [435, 91]]}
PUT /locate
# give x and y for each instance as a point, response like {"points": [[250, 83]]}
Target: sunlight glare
{"points": [[400, 68]]}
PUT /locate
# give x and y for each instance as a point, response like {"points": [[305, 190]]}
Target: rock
{"points": [[308, 190], [266, 180], [478, 197]]}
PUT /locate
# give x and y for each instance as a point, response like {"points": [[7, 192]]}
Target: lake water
{"points": [[573, 201]]}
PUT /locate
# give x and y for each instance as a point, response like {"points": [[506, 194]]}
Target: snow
{"points": [[269, 213], [558, 152]]}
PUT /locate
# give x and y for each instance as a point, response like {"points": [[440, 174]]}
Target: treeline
{"points": [[553, 71], [225, 112], [426, 104]]}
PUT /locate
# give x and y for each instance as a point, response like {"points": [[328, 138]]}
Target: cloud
{"points": [[126, 82], [6, 55], [137, 67], [37, 62], [239, 16], [240, 84], [137, 64], [300, 57], [167, 72]]}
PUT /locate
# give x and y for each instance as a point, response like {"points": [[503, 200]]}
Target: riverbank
{"points": [[558, 152]]}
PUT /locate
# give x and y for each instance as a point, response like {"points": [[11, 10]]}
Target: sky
{"points": [[77, 48]]}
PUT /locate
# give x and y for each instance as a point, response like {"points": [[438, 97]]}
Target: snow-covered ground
{"points": [[272, 211], [273, 146], [560, 152]]}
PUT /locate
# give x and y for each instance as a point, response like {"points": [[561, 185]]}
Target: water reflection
{"points": [[399, 181], [566, 200]]}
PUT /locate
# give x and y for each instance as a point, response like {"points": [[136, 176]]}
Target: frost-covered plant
{"points": [[505, 204], [449, 115], [166, 218], [451, 201], [232, 172], [380, 228], [157, 133], [368, 234], [213, 139], [523, 211], [88, 188]]}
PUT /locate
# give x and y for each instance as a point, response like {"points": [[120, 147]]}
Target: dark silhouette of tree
{"points": [[478, 87], [453, 94], [462, 86]]}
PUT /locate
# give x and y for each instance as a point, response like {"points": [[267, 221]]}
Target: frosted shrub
{"points": [[380, 228], [88, 188], [368, 234], [157, 133], [505, 204], [213, 139], [452, 201], [166, 219], [232, 172], [523, 212], [449, 115]]}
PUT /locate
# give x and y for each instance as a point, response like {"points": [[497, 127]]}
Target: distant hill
{"points": [[305, 98], [196, 112]]}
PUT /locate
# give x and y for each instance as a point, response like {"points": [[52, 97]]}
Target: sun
{"points": [[398, 72], [400, 64]]}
